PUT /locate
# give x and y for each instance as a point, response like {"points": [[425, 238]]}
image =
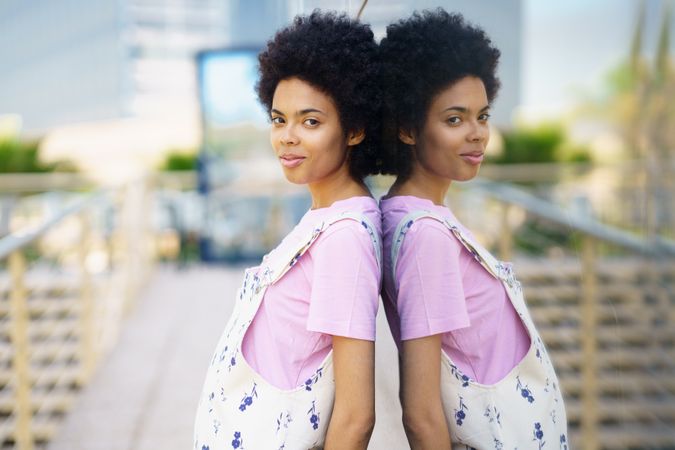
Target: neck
{"points": [[423, 184], [337, 186]]}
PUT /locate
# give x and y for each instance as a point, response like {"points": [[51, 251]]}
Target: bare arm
{"points": [[353, 416], [423, 417]]}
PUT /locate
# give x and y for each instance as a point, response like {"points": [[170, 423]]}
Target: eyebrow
{"points": [[302, 112], [463, 109]]}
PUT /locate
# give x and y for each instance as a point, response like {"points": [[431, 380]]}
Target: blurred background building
{"points": [[125, 70], [132, 150]]}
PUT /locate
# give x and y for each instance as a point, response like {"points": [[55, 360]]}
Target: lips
{"points": [[473, 158], [291, 160]]}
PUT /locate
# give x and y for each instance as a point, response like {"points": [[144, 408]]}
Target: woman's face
{"points": [[452, 142], [306, 134]]}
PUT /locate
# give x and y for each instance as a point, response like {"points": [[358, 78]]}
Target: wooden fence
{"points": [[66, 284], [607, 315]]}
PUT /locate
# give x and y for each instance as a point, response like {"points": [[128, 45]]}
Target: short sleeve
{"points": [[429, 282], [345, 282]]}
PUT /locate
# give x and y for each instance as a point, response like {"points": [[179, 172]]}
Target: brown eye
{"points": [[311, 122], [277, 120], [484, 117], [454, 120]]}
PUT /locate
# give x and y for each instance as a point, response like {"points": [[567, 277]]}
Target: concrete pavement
{"points": [[145, 393]]}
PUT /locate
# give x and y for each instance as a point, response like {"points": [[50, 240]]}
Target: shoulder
{"points": [[356, 228], [429, 235]]}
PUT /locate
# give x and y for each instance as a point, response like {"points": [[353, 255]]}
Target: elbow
{"points": [[423, 423], [362, 424], [358, 425]]}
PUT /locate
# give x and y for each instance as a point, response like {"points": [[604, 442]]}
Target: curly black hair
{"points": [[421, 56], [340, 57]]}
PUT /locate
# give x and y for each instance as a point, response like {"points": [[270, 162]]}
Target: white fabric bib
{"points": [[525, 409], [238, 409]]}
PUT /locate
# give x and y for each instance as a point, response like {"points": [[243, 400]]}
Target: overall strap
{"points": [[286, 263], [481, 255]]}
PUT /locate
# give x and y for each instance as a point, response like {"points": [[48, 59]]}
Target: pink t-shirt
{"points": [[440, 288], [333, 289]]}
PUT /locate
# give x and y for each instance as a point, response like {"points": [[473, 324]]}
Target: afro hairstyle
{"points": [[421, 56], [340, 57]]}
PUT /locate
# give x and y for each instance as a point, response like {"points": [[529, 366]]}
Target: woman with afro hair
{"points": [[294, 368], [474, 371]]}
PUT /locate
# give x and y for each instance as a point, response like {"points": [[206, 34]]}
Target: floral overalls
{"points": [[525, 409], [238, 409]]}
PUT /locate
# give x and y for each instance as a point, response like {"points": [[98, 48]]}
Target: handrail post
{"points": [[505, 238], [19, 317], [87, 351], [589, 367]]}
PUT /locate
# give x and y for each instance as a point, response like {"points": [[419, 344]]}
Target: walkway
{"points": [[144, 394]]}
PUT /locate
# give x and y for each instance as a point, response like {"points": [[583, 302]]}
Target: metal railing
{"points": [[609, 321], [66, 285]]}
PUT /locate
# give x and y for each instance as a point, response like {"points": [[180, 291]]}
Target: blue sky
{"points": [[570, 45]]}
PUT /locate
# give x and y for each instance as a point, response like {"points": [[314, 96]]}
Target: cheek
{"points": [[333, 146], [274, 138]]}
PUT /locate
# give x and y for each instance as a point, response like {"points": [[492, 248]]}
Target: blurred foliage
{"points": [[177, 160], [23, 157], [637, 101], [638, 93], [541, 144], [535, 236]]}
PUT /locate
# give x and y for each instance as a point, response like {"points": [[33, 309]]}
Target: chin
{"points": [[295, 180], [467, 176], [293, 176]]}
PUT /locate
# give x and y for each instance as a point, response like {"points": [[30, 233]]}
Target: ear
{"points": [[406, 136], [356, 137]]}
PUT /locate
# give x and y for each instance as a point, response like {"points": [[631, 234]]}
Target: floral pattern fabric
{"points": [[238, 409], [525, 409]]}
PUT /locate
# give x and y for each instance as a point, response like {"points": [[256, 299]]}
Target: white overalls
{"points": [[238, 409], [525, 409]]}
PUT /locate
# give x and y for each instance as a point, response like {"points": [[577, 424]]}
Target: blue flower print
{"points": [[525, 391], [538, 435], [265, 279], [295, 259], [369, 231], [460, 415], [459, 376], [237, 442], [493, 415], [205, 447], [284, 420], [211, 395], [247, 400], [216, 426], [255, 284], [313, 379], [498, 444], [233, 360], [563, 442], [313, 416], [506, 273], [223, 352], [540, 349], [404, 230]]}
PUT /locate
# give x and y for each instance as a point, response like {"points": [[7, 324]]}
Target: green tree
{"points": [[180, 160], [540, 144]]}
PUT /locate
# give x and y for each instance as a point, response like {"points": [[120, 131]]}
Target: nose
{"points": [[479, 132], [288, 136]]}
